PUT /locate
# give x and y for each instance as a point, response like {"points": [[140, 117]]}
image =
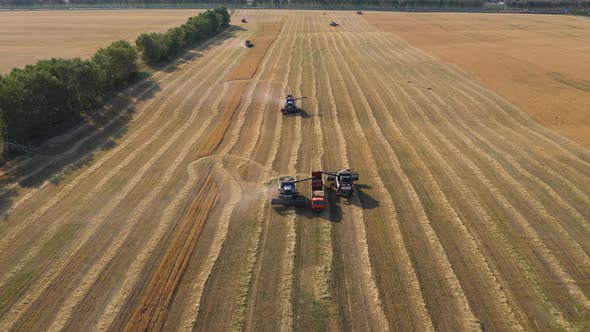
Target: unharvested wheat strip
{"points": [[539, 208], [253, 260], [250, 97], [469, 319], [433, 186], [8, 238], [361, 237], [68, 189], [189, 316], [530, 276], [63, 316], [77, 145], [548, 256], [249, 100], [52, 273]]}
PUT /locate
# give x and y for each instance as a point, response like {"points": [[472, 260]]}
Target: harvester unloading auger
{"points": [[288, 194], [343, 180], [290, 105]]}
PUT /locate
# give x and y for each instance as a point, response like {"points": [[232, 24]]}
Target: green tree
{"points": [[152, 46], [118, 62]]}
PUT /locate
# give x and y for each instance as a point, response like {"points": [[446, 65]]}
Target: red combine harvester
{"points": [[317, 192], [343, 180]]}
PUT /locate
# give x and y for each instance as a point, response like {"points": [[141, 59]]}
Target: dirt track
{"points": [[469, 214]]}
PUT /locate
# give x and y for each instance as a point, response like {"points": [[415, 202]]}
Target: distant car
{"points": [[249, 44], [359, 12], [333, 24], [244, 20]]}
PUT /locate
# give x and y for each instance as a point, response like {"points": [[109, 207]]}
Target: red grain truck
{"points": [[317, 192]]}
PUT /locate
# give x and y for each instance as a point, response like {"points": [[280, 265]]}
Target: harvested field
{"points": [[29, 36], [469, 214]]}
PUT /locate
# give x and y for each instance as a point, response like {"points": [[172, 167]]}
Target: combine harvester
{"points": [[291, 106], [289, 196], [343, 180]]}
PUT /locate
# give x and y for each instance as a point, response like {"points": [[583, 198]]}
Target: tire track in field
{"points": [[457, 152], [9, 238], [468, 318], [359, 234], [78, 144], [86, 199], [434, 187], [105, 211]]}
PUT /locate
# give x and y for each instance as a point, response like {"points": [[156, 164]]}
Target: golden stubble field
{"points": [[538, 62], [469, 215], [29, 36]]}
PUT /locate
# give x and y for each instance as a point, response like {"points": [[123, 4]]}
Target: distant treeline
{"points": [[37, 100], [573, 5], [264, 3]]}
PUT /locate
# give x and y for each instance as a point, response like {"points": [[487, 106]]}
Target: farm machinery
{"points": [[290, 105], [244, 20], [333, 24], [343, 180], [289, 196], [249, 44]]}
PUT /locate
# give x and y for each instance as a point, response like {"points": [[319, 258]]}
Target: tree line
{"points": [[264, 3], [37, 100]]}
